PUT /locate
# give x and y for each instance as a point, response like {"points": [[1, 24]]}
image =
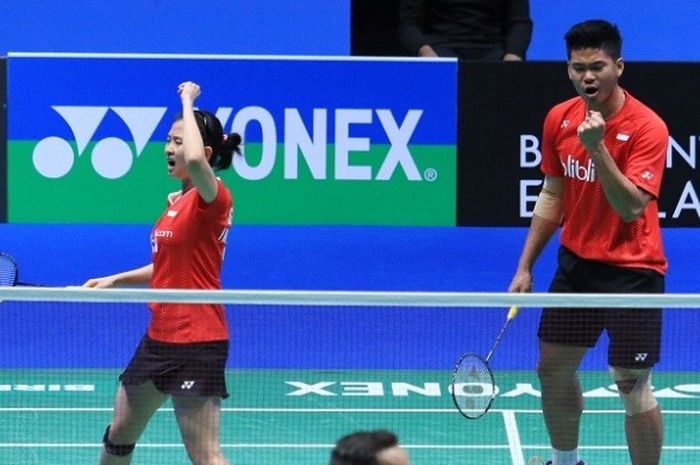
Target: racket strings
{"points": [[473, 387], [8, 271]]}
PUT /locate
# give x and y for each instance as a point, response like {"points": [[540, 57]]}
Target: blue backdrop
{"points": [[654, 30], [320, 258], [284, 27]]}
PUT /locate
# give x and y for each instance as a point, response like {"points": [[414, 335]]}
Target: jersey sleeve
{"points": [[648, 156], [551, 165], [221, 204]]}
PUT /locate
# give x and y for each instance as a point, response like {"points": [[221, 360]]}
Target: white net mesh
{"points": [[305, 368]]}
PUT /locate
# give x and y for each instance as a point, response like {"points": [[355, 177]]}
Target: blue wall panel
{"points": [[320, 258], [283, 27], [652, 30]]}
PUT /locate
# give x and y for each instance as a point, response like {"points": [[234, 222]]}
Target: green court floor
{"points": [[292, 417]]}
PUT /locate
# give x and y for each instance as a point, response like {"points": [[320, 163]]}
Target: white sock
{"points": [[564, 457]]}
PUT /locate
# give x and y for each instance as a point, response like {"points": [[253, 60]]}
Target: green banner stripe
{"points": [[78, 192]]}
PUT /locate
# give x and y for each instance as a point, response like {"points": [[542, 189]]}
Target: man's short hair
{"points": [[594, 33], [362, 447]]}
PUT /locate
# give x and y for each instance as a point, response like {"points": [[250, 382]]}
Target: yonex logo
{"points": [[640, 357], [112, 157], [647, 175], [187, 385], [435, 389]]}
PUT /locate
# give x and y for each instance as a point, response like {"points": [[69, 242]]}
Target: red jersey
{"points": [[188, 243], [637, 140]]}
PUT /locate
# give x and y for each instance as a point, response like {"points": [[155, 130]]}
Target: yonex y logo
{"points": [[640, 357], [187, 385], [112, 157]]}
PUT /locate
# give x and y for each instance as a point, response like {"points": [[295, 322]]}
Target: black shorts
{"points": [[195, 369], [634, 334]]}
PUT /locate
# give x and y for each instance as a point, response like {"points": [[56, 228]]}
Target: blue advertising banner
{"points": [[326, 140]]}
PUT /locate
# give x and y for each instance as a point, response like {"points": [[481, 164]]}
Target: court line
{"points": [[251, 446], [513, 435], [326, 410], [24, 445]]}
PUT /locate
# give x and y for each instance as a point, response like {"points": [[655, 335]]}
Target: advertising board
{"points": [[326, 141]]}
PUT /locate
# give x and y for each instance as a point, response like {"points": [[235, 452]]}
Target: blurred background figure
{"points": [[483, 30], [378, 447]]}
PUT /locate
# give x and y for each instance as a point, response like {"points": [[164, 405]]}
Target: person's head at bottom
{"points": [[378, 447]]}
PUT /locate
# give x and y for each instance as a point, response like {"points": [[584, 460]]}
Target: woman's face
{"points": [[174, 152]]}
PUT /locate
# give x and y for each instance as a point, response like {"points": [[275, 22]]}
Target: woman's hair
{"points": [[223, 146]]}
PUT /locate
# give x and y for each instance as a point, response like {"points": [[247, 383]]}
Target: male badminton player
{"points": [[183, 354], [603, 155]]}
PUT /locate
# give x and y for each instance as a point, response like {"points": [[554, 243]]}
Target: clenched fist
{"points": [[592, 130]]}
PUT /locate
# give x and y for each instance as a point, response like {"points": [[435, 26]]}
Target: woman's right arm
{"points": [[136, 276]]}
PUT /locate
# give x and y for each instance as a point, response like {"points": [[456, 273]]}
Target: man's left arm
{"points": [[623, 192]]}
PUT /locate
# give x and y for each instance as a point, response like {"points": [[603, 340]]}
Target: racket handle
{"points": [[513, 312]]}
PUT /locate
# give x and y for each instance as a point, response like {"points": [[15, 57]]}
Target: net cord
{"points": [[352, 298]]}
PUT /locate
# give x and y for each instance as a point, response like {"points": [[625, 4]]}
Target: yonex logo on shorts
{"points": [[187, 385], [640, 357]]}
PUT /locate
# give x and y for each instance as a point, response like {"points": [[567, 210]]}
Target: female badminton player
{"points": [[183, 354]]}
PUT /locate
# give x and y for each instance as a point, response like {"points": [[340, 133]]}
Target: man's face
{"points": [[393, 456], [594, 75]]}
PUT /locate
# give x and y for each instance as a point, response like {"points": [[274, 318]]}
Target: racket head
{"points": [[473, 386], [8, 270]]}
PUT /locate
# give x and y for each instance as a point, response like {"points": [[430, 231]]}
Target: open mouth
{"points": [[590, 90], [171, 162]]}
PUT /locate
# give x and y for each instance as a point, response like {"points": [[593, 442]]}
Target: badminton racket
{"points": [[9, 272], [473, 383]]}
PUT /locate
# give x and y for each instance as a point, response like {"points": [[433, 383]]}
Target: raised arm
{"points": [[196, 153], [623, 195]]}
